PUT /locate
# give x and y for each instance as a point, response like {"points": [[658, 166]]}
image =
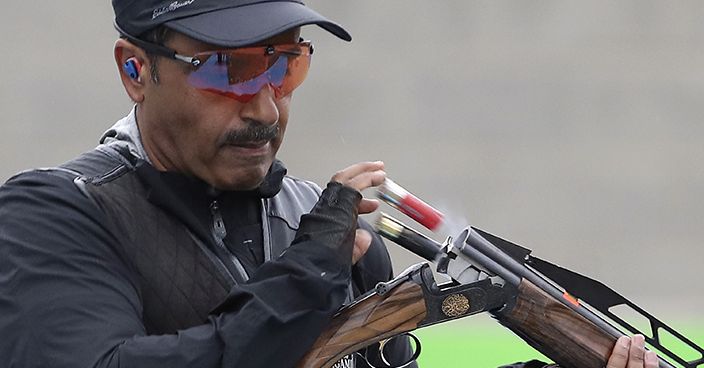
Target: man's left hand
{"points": [[631, 353]]}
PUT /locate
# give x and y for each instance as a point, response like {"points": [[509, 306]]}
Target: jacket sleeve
{"points": [[67, 299]]}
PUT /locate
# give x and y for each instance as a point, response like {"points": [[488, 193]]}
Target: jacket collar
{"points": [[124, 135]]}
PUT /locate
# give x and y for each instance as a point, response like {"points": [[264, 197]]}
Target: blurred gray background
{"points": [[571, 127]]}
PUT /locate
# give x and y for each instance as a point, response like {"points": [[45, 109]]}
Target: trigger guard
{"points": [[382, 344]]}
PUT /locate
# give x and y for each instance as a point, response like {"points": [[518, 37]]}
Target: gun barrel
{"points": [[535, 308], [475, 243], [480, 258]]}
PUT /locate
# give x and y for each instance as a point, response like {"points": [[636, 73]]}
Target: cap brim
{"points": [[249, 24]]}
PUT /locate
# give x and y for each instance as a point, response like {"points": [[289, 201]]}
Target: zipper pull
{"points": [[218, 223]]}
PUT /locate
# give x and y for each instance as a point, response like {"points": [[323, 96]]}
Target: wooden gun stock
{"points": [[363, 323], [556, 330], [542, 321], [410, 301]]}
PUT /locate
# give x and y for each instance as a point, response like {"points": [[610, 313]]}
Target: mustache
{"points": [[253, 132]]}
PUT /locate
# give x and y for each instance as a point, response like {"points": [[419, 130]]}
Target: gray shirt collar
{"points": [[125, 133]]}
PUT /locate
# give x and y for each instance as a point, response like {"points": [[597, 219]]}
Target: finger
{"points": [[357, 169], [367, 206], [619, 356], [636, 354], [362, 241], [367, 179], [350, 172], [651, 359]]}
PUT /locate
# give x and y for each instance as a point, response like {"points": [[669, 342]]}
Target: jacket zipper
{"points": [[219, 234], [219, 231], [266, 231]]}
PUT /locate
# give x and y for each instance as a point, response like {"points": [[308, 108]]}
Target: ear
{"points": [[124, 51]]}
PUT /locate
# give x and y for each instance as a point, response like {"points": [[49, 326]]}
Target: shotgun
{"points": [[549, 307]]}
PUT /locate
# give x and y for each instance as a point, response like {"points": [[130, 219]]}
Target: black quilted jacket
{"points": [[105, 264]]}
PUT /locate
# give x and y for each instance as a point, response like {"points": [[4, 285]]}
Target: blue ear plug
{"points": [[132, 67]]}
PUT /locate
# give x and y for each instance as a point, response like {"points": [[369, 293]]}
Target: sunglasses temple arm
{"points": [[156, 49]]}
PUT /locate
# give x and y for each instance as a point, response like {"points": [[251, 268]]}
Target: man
{"points": [[180, 241], [168, 245]]}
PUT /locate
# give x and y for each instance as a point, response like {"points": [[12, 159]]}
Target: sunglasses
{"points": [[242, 72]]}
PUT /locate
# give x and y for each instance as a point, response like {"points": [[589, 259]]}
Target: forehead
{"points": [[184, 44]]}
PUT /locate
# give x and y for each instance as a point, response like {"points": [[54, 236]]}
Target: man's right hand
{"points": [[333, 220], [361, 176]]}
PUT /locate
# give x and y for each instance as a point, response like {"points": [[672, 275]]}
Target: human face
{"points": [[229, 144]]}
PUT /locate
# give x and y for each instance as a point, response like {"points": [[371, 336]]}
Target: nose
{"points": [[262, 107]]}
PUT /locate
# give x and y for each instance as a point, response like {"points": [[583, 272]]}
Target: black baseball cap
{"points": [[225, 23]]}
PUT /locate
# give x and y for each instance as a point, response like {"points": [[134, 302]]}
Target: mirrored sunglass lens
{"points": [[211, 74], [277, 72], [296, 72], [274, 75], [243, 75]]}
